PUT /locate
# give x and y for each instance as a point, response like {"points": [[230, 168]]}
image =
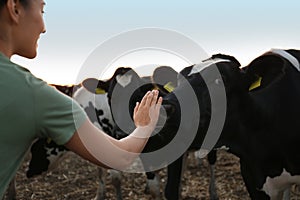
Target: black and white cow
{"points": [[129, 88], [261, 116]]}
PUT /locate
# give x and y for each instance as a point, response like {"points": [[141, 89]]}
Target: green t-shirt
{"points": [[30, 108]]}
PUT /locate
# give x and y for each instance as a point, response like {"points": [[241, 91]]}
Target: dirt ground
{"points": [[76, 179]]}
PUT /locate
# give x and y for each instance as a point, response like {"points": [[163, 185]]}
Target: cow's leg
{"points": [[277, 196], [249, 180], [39, 161], [212, 158], [116, 178], [101, 187], [172, 189], [287, 194], [153, 185], [11, 190]]}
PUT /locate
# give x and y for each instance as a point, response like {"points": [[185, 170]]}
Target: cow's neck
{"points": [[240, 121]]}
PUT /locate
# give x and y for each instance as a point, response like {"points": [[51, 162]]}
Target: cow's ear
{"points": [[95, 86], [264, 71], [163, 75], [226, 57], [164, 78], [249, 81]]}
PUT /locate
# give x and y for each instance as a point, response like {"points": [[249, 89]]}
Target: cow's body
{"points": [[261, 125], [274, 133]]}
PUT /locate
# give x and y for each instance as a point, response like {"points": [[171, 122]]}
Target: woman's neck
{"points": [[6, 35], [5, 50], [5, 42]]}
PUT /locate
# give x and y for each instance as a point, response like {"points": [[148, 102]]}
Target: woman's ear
{"points": [[14, 10]]}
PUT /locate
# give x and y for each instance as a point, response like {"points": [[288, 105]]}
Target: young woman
{"points": [[30, 108]]}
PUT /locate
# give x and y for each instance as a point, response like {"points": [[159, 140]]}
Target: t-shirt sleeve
{"points": [[58, 115]]}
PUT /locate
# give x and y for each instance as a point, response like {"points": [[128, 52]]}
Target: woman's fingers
{"points": [[150, 98], [154, 99], [136, 108], [148, 109], [143, 102], [159, 102]]}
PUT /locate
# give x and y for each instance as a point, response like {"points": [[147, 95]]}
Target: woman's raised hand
{"points": [[146, 112]]}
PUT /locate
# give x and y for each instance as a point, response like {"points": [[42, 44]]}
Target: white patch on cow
{"points": [[275, 186], [124, 80], [287, 56], [99, 101], [223, 148], [201, 153], [200, 66], [55, 159]]}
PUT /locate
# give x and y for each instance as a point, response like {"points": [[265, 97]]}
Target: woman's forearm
{"points": [[97, 147], [136, 141]]}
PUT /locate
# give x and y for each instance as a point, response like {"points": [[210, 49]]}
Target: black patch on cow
{"points": [[95, 116], [39, 162]]}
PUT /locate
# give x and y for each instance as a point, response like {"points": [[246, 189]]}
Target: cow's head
{"points": [[124, 91], [127, 88], [269, 68]]}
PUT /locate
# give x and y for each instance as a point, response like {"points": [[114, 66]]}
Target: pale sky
{"points": [[244, 29]]}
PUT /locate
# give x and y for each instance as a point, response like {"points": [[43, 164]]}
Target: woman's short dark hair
{"points": [[2, 3], [23, 2]]}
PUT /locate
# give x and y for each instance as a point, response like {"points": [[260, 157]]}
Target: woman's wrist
{"points": [[142, 132]]}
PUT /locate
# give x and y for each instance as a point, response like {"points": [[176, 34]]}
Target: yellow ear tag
{"points": [[49, 140], [155, 88], [99, 91], [256, 84], [169, 87]]}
